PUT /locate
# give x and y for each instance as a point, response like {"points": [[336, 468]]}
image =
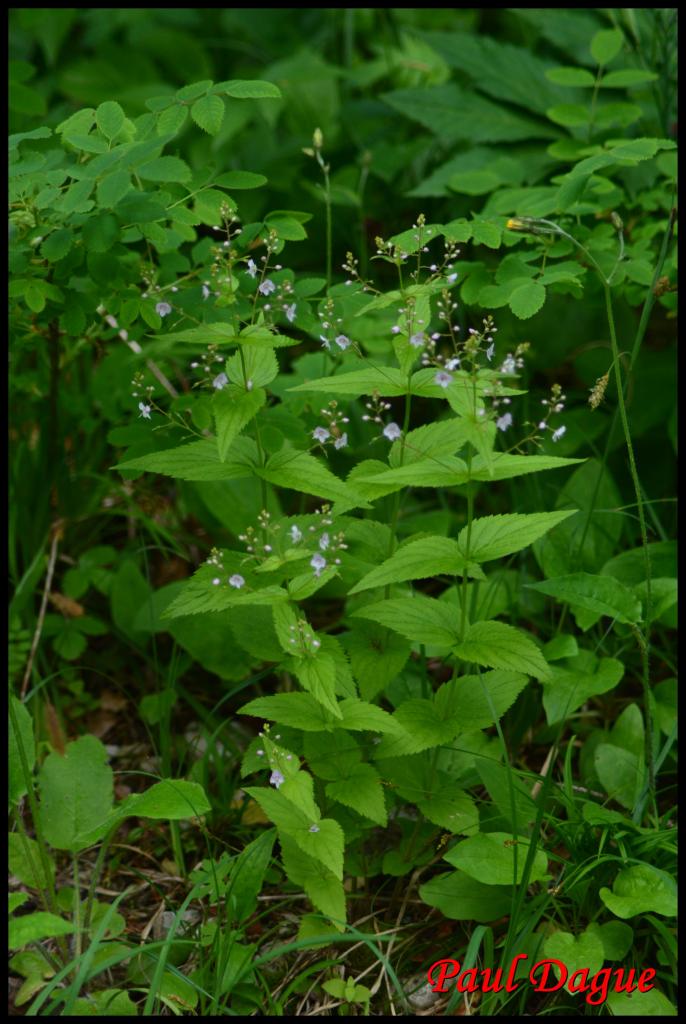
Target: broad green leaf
{"points": [[165, 168], [461, 898], [642, 889], [299, 710], [240, 180], [652, 1003], [615, 937], [417, 560], [446, 471], [300, 471], [389, 381], [498, 645], [57, 244], [113, 187], [576, 77], [421, 619], [110, 118], [621, 772], [605, 45], [35, 927], [360, 716], [496, 536], [208, 113], [254, 367], [527, 299], [601, 594], [504, 466], [171, 120], [376, 655], [361, 789], [22, 737], [233, 409], [490, 859], [199, 461], [317, 675], [505, 788], [317, 879], [247, 875], [626, 78], [76, 795], [472, 700], [24, 861], [449, 807], [253, 89], [331, 755], [569, 115], [439, 439], [168, 800], [581, 677], [576, 952]]}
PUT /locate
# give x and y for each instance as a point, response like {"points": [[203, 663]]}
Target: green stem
{"points": [[645, 644], [77, 907]]}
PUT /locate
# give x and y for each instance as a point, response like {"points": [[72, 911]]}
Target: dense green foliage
{"points": [[343, 430]]}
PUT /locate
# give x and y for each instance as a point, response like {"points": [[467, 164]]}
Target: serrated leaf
{"points": [[417, 560], [317, 675], [387, 380], [420, 619], [252, 89], [361, 789], [498, 645], [601, 594], [113, 187], [376, 657], [198, 461], [490, 859], [319, 882], [496, 536], [299, 710], [360, 716], [208, 113], [300, 471], [165, 168], [527, 299], [171, 120], [233, 409]]}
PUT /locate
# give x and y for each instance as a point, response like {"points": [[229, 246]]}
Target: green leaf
{"points": [[233, 409], [247, 875], [601, 594], [576, 77], [496, 536], [497, 645], [57, 244], [198, 461], [621, 772], [616, 938], [317, 675], [626, 78], [171, 120], [389, 381], [605, 45], [24, 861], [576, 952], [300, 471], [569, 115], [376, 655], [253, 89], [417, 560], [76, 795], [317, 879], [113, 187], [22, 737], [35, 927], [581, 677], [299, 710], [361, 789], [652, 1003], [359, 716], [421, 619], [461, 898], [208, 113], [641, 889], [527, 299], [241, 180], [490, 859], [110, 118], [168, 800], [165, 168]]}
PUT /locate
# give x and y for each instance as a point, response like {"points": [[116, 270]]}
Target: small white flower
{"points": [[291, 312], [216, 581], [395, 329], [267, 287], [543, 425], [342, 341], [318, 563], [503, 422], [252, 268], [325, 342], [452, 278], [557, 434], [276, 778], [163, 309], [321, 434], [249, 385], [260, 753], [296, 534], [324, 542], [236, 581], [341, 441], [509, 365], [111, 321], [314, 828], [443, 379], [490, 351], [145, 410], [417, 340], [452, 364], [220, 381], [206, 292], [392, 431]]}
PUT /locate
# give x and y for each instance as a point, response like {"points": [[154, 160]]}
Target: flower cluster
{"points": [[216, 560], [555, 404], [144, 393], [332, 431], [330, 324], [208, 364], [302, 636], [598, 391]]}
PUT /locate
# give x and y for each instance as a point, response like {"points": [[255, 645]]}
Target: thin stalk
{"points": [[77, 906]]}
